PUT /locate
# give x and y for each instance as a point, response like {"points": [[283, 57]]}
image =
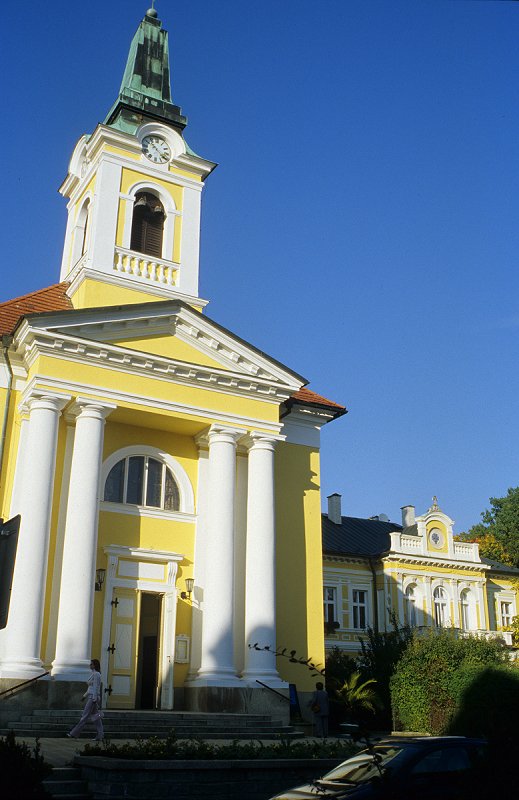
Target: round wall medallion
{"points": [[436, 538]]}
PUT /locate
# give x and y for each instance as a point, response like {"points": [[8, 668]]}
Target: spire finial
{"points": [[435, 506], [151, 12]]}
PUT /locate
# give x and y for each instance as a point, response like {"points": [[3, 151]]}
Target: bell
{"points": [[142, 201]]}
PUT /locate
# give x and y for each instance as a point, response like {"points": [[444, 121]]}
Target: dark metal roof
{"points": [[357, 537]]}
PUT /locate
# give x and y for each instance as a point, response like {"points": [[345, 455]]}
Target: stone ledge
{"points": [[255, 779]]}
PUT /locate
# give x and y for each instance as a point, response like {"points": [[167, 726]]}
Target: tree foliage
{"points": [[434, 676], [498, 533], [381, 652]]}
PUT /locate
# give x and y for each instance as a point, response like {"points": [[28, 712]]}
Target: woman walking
{"points": [[91, 711]]}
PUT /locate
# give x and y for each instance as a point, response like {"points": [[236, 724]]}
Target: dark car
{"points": [[425, 768]]}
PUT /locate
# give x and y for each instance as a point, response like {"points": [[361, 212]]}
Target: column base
{"points": [[270, 679], [71, 670], [23, 668], [215, 679], [237, 700]]}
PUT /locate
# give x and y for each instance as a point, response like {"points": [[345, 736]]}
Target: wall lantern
{"points": [[190, 582], [100, 579]]}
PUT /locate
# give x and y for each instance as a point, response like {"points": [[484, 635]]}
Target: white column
{"points": [[24, 629], [74, 634], [260, 588], [217, 658]]}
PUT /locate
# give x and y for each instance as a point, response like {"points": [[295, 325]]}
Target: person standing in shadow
{"points": [[92, 710], [320, 708]]}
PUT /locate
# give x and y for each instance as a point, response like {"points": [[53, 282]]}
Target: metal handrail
{"points": [[275, 691], [24, 683]]}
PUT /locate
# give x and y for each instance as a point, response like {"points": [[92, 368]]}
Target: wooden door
{"points": [[124, 636]]}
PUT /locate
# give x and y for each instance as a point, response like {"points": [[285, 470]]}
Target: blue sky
{"points": [[361, 226]]}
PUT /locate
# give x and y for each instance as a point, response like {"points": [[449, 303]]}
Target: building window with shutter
{"points": [[147, 225]]}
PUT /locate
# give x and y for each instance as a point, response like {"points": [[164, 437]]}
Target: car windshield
{"points": [[363, 766]]}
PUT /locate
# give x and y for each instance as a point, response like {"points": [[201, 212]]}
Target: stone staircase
{"points": [[144, 724], [65, 783]]}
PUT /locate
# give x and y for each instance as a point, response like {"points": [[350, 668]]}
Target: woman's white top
{"points": [[94, 685]]}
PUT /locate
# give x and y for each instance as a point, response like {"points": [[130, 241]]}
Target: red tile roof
{"points": [[305, 396], [52, 298]]}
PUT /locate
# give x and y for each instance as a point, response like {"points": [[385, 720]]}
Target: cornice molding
{"points": [[34, 344], [440, 563]]}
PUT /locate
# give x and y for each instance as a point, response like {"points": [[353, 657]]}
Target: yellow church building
{"points": [[165, 470], [377, 571]]}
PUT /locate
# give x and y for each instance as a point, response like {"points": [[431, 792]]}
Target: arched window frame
{"points": [[467, 609], [441, 606], [186, 496], [82, 227], [410, 605], [170, 210]]}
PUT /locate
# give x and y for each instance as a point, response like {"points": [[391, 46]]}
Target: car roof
{"points": [[410, 740]]}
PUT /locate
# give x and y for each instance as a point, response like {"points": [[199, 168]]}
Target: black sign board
{"points": [[8, 543]]}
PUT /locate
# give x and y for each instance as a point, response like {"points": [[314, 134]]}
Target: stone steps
{"points": [[65, 783], [54, 723]]}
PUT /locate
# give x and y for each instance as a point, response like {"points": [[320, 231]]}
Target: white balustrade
{"points": [[146, 268]]}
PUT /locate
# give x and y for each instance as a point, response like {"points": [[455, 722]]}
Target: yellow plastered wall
{"points": [[98, 294], [440, 526], [299, 560], [170, 347], [146, 385]]}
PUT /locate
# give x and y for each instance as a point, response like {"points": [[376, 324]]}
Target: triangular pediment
{"points": [[171, 330]]}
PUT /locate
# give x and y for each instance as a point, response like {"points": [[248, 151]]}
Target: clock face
{"points": [[156, 149]]}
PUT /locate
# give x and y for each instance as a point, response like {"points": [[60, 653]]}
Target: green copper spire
{"points": [[146, 88]]}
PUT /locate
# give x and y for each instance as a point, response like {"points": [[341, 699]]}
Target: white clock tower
{"points": [[134, 189]]}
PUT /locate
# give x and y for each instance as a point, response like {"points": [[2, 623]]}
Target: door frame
{"points": [[146, 571]]}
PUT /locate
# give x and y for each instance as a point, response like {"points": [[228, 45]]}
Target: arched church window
{"points": [[142, 481], [85, 211], [410, 606], [440, 607], [147, 225]]}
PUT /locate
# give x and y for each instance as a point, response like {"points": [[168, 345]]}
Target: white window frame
{"points": [[357, 606], [185, 488], [144, 485], [505, 618], [441, 614], [332, 603], [468, 609], [410, 607]]}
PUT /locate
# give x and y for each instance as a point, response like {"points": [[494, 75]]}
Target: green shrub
{"points": [[435, 677], [185, 749], [22, 769]]}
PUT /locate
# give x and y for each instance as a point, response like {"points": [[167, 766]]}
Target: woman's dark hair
{"points": [[97, 665]]}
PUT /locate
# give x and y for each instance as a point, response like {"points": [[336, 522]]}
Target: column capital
{"points": [[256, 440], [39, 398], [89, 407]]}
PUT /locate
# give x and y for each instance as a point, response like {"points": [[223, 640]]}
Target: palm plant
{"points": [[357, 696]]}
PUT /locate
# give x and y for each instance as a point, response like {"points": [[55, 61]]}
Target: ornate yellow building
{"points": [[166, 471], [375, 569]]}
